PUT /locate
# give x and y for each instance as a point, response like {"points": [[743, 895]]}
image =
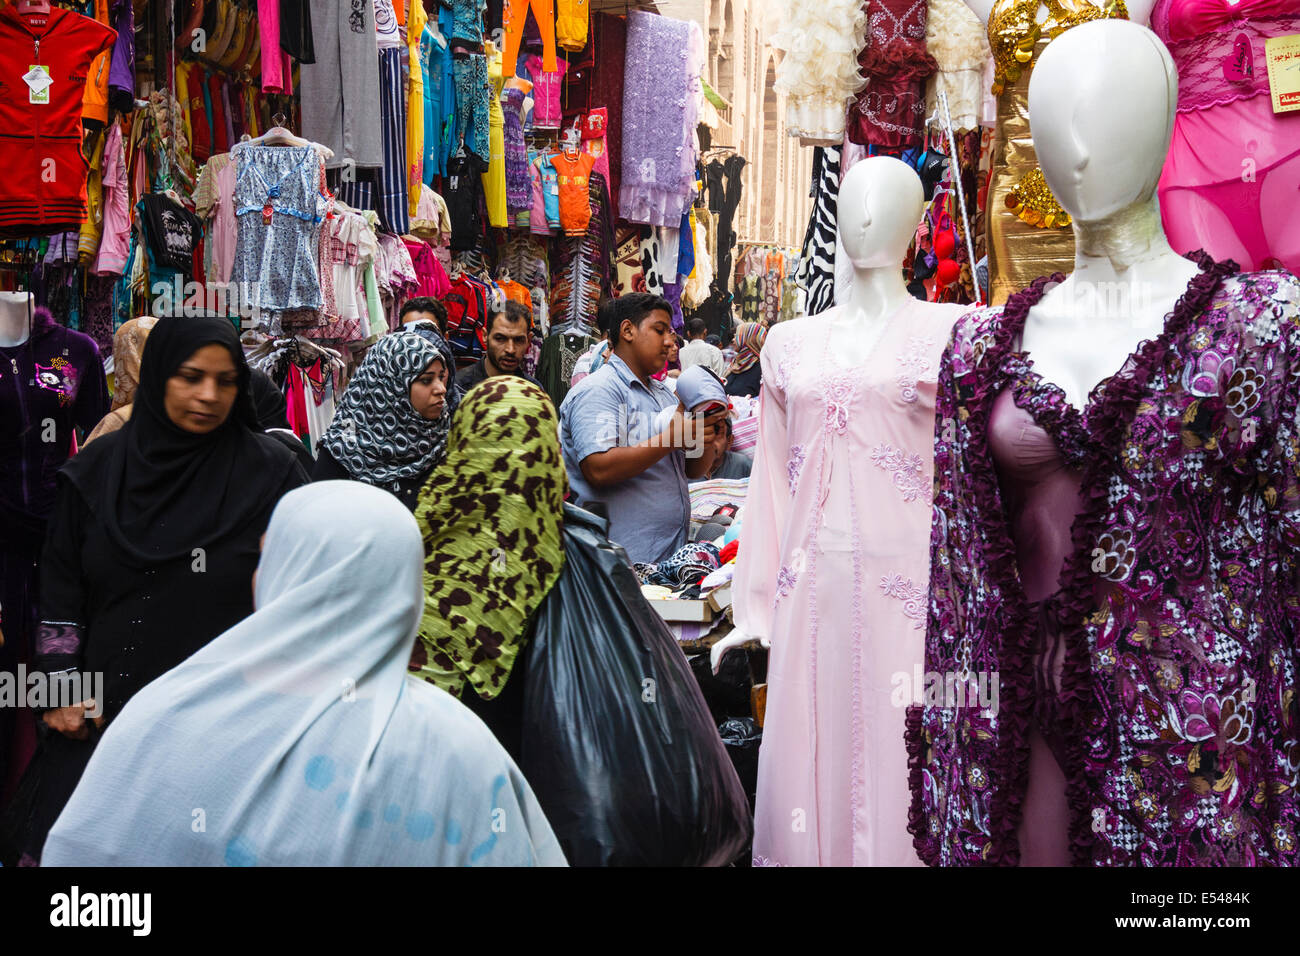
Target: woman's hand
{"points": [[71, 721]]}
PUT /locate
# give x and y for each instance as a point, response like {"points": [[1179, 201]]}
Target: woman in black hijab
{"points": [[152, 546]]}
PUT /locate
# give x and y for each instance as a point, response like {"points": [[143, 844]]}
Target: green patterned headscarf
{"points": [[491, 518]]}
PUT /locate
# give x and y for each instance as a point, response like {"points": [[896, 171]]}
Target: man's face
{"points": [[651, 342], [507, 344]]}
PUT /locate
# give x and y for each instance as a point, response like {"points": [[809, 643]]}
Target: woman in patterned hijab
{"points": [[391, 426], [746, 375], [491, 519]]}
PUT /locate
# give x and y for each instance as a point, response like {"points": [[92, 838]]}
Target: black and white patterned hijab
{"points": [[376, 434]]}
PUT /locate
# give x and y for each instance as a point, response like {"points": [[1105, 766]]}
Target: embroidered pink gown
{"points": [[833, 567]]}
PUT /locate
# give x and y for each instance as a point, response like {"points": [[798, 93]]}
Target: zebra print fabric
{"points": [[817, 266]]}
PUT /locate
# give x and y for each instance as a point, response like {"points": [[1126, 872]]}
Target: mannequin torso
{"points": [[15, 318]]}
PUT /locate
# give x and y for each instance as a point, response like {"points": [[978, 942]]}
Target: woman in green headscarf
{"points": [[491, 517]]}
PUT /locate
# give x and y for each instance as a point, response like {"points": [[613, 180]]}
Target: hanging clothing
{"points": [[55, 376], [819, 72], [277, 68], [377, 436], [392, 773], [464, 195], [44, 189], [515, 13], [494, 180], [890, 110], [548, 111], [832, 569], [580, 268], [393, 206], [817, 262], [439, 96], [518, 185], [279, 209], [490, 516], [574, 190], [1148, 652], [955, 38], [416, 20], [340, 91], [660, 108], [599, 85], [473, 111]]}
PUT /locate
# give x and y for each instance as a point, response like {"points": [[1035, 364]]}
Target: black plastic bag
{"points": [[618, 745]]}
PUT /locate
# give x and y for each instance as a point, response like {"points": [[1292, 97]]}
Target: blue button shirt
{"points": [[650, 513]]}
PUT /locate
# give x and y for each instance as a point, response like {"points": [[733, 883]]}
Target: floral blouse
{"points": [[1178, 605]]}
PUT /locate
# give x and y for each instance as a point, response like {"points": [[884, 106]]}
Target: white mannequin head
{"points": [[881, 201], [1101, 108]]}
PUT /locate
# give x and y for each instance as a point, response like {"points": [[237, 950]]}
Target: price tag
{"points": [[1283, 56], [38, 84]]}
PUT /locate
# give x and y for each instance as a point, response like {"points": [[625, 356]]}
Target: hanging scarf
{"points": [[376, 434], [750, 337], [162, 491], [491, 519]]}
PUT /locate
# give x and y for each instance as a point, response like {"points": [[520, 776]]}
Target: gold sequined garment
{"points": [[1033, 238]]}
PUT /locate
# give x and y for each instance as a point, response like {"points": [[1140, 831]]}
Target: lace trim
{"points": [[913, 598], [908, 470], [794, 467], [915, 365]]}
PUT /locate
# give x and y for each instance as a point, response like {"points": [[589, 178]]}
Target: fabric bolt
{"points": [[278, 260], [649, 514], [45, 191], [491, 519], [473, 119], [832, 569], [339, 92], [658, 118], [1144, 656], [1212, 195], [819, 72], [377, 435], [515, 13], [277, 68], [318, 779]]}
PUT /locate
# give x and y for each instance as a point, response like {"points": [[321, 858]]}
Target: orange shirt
{"points": [[575, 197]]}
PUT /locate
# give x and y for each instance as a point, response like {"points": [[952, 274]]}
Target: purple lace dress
{"points": [[1147, 711], [661, 81]]}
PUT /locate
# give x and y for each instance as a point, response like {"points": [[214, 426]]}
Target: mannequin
{"points": [[51, 381], [15, 318], [1081, 549], [1028, 234], [833, 549]]}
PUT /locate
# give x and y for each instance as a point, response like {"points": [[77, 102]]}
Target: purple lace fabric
{"points": [[1177, 603], [1223, 62], [660, 86]]}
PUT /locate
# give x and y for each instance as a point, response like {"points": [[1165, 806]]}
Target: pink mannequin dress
{"points": [[1231, 182], [833, 567]]}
